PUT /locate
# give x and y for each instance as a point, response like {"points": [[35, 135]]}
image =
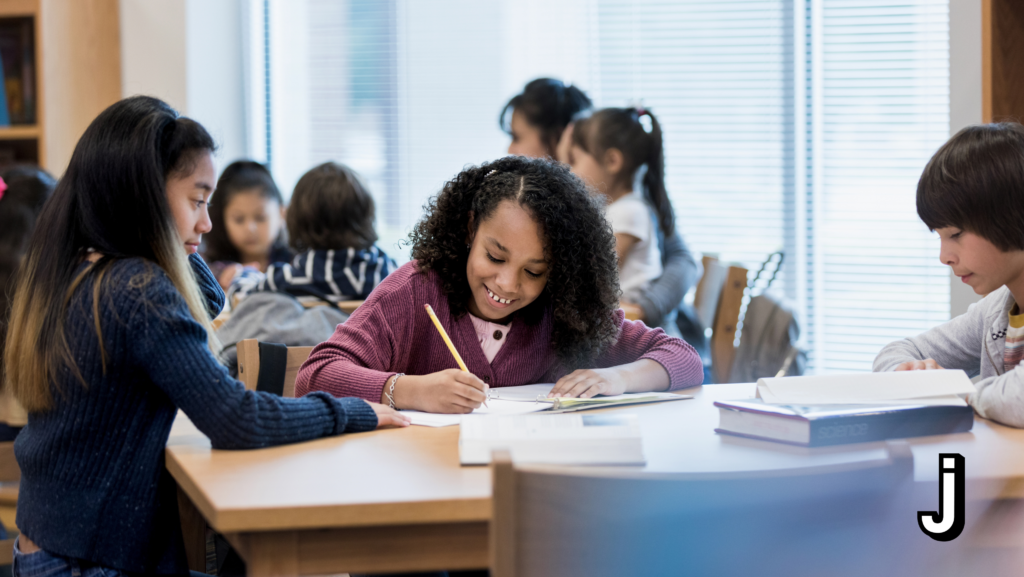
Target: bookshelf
{"points": [[73, 61], [21, 137]]}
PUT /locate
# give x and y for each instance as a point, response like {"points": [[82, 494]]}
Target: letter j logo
{"points": [[948, 522]]}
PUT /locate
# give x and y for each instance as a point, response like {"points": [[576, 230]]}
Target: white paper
{"points": [[523, 393], [915, 387], [518, 401], [494, 407], [432, 419], [558, 439]]}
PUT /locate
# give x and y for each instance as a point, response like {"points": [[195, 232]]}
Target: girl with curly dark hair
{"points": [[519, 264]]}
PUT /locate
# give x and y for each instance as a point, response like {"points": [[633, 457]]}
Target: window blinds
{"points": [[879, 110], [800, 125]]}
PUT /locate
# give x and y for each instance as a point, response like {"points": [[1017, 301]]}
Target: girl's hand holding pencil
{"points": [[453, 391], [450, 391]]}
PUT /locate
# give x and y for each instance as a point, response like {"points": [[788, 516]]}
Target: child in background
{"points": [[112, 313], [23, 190], [330, 227], [539, 119], [608, 149], [972, 194], [248, 222], [518, 263]]}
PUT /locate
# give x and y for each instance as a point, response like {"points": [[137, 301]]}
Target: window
{"points": [[799, 125]]}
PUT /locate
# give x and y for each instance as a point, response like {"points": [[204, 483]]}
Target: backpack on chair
{"points": [[769, 335]]}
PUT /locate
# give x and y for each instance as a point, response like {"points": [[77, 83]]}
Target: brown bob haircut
{"points": [[330, 210], [975, 182]]}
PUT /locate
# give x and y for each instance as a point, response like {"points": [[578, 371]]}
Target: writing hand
{"points": [[450, 391]]}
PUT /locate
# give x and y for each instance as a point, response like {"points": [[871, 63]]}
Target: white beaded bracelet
{"points": [[390, 394]]}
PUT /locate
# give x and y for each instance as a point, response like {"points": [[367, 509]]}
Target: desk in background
{"points": [[398, 500]]}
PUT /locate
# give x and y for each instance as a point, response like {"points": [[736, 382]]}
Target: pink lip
{"points": [[965, 277], [191, 248]]}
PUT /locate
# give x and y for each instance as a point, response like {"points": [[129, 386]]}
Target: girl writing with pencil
{"points": [[519, 264]]}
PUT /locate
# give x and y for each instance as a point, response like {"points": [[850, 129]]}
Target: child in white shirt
{"points": [[608, 149]]}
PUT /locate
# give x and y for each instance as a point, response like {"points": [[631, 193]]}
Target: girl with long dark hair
{"points": [[110, 336]]}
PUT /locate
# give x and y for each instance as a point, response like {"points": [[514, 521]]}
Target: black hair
{"points": [[635, 133], [331, 209], [111, 199], [241, 176], [547, 104], [28, 185], [975, 182], [582, 289], [28, 188]]}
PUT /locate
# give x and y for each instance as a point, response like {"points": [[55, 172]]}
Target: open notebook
{"points": [[534, 399]]}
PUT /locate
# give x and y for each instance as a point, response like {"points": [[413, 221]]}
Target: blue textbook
{"points": [[817, 426]]}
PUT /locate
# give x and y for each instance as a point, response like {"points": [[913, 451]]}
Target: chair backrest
{"points": [[9, 469], [718, 301], [709, 288], [832, 520], [727, 320], [9, 473], [281, 366], [348, 307]]}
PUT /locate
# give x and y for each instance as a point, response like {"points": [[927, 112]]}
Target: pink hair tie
{"points": [[3, 188]]}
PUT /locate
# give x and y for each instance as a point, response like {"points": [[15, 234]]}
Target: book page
{"points": [[921, 387], [533, 399]]}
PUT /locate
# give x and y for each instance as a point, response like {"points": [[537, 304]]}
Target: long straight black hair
{"points": [[636, 133], [112, 199]]}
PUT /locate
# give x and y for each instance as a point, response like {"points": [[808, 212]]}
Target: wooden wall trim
{"points": [[80, 41], [986, 61]]}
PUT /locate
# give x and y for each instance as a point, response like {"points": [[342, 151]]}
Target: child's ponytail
{"points": [[654, 178], [636, 133]]}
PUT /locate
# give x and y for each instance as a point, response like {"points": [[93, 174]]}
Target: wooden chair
{"points": [[281, 366], [718, 301], [284, 363], [832, 520], [345, 306], [9, 473]]}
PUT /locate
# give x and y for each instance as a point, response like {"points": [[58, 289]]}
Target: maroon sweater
{"points": [[392, 333]]}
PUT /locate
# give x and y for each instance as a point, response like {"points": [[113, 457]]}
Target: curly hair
{"points": [[583, 284]]}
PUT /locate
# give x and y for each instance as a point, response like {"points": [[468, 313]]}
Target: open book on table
{"points": [[534, 399]]}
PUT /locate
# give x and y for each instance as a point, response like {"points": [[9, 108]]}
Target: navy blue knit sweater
{"points": [[93, 485]]}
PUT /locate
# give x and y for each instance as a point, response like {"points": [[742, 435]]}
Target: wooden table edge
{"points": [[352, 516], [331, 516]]}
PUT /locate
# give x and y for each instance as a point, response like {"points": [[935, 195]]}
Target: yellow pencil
{"points": [[447, 341]]}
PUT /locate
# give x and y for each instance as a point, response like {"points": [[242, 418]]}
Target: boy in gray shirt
{"points": [[972, 194]]}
